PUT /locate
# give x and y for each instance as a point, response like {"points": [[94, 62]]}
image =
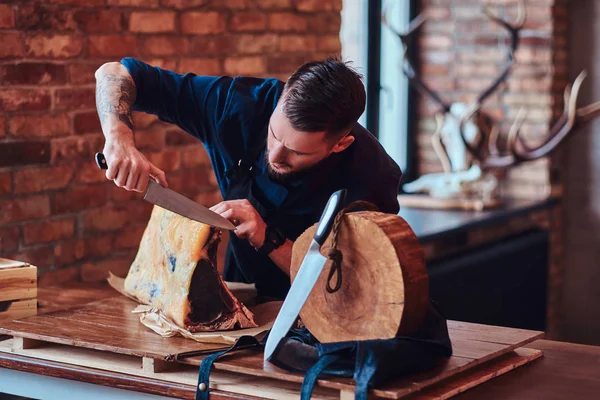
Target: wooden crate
{"points": [[18, 289]]}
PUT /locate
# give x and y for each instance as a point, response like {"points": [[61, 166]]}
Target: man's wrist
{"points": [[274, 238]]}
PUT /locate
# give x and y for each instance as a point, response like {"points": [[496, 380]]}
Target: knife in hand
{"points": [[177, 203], [307, 275]]}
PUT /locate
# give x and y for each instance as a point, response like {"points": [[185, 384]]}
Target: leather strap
{"points": [[202, 388]]}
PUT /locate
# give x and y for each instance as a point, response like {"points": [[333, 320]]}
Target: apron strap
{"points": [[313, 373], [202, 388]]}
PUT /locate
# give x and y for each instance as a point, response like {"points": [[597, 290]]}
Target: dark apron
{"points": [[242, 262], [370, 363]]}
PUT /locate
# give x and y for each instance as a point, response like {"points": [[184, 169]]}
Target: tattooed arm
{"points": [[115, 97]]}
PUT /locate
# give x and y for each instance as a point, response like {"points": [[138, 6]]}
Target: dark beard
{"points": [[278, 177], [287, 177]]}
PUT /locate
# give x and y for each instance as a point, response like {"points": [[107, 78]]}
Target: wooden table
{"points": [[565, 371]]}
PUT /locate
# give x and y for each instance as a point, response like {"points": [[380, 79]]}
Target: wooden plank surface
{"points": [[174, 374], [18, 309], [109, 325], [252, 386], [566, 371]]}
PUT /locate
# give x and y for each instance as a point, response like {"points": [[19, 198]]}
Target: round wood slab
{"points": [[385, 286]]}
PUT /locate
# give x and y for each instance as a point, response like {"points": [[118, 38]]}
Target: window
{"points": [[377, 53]]}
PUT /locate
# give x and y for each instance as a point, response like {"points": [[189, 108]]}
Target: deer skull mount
{"points": [[467, 141]]}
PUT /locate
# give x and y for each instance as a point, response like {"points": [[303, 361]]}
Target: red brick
{"points": [[33, 180], [165, 46], [75, 148], [194, 156], [164, 63], [88, 172], [32, 73], [152, 21], [79, 198], [5, 182], [130, 237], [251, 65], [83, 72], [9, 239], [330, 43], [40, 256], [120, 194], [48, 231], [134, 3], [213, 45], [231, 4], [150, 139], [208, 199], [167, 160], [317, 5], [248, 21], [142, 120], [72, 251], [287, 22], [292, 43], [101, 21], [112, 46], [10, 45], [81, 3], [75, 98], [85, 122], [257, 44], [53, 46], [24, 99], [326, 22], [2, 126], [98, 270], [24, 152], [202, 22], [284, 63], [177, 137], [99, 246], [105, 219], [183, 4], [274, 4], [39, 125], [201, 66], [7, 19], [52, 277], [41, 17], [24, 208], [138, 211]]}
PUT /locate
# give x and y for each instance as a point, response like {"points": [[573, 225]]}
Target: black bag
{"points": [[369, 362]]}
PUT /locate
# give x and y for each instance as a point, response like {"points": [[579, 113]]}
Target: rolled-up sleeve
{"points": [[193, 102]]}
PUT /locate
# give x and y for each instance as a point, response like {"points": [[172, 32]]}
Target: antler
{"points": [[519, 151], [407, 67], [514, 30]]}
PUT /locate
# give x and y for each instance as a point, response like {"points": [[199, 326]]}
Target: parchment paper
{"points": [[151, 317]]}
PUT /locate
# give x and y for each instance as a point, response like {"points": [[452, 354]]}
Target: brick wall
{"points": [[460, 53], [57, 210]]}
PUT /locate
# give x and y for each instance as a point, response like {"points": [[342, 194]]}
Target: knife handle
{"points": [[334, 205], [101, 161]]}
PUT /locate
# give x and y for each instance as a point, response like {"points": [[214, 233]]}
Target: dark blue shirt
{"points": [[229, 115]]}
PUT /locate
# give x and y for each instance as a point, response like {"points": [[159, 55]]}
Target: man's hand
{"points": [[115, 96], [249, 224], [129, 168]]}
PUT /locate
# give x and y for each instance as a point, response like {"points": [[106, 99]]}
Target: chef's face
{"points": [[290, 151]]}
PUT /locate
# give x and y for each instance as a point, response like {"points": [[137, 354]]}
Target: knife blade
{"points": [[307, 275], [176, 202]]}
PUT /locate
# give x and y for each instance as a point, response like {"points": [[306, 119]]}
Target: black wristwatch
{"points": [[273, 239]]}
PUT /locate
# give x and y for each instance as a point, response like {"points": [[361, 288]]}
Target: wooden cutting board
{"points": [[108, 325]]}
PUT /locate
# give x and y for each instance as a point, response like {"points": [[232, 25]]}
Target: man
{"points": [[278, 150]]}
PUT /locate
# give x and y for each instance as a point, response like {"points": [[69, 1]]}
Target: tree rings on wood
{"points": [[385, 285]]}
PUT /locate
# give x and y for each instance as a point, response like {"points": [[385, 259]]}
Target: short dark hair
{"points": [[324, 96]]}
